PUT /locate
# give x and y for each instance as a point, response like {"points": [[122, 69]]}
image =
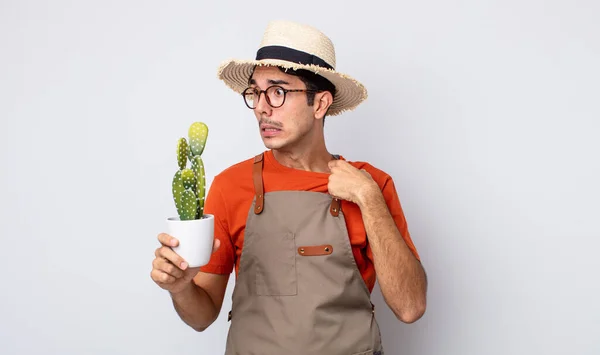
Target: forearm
{"points": [[400, 275], [195, 307]]}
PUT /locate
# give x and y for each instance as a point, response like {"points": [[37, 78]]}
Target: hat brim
{"points": [[349, 92]]}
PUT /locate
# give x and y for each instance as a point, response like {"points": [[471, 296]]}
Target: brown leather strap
{"points": [[335, 207], [258, 183], [316, 250]]}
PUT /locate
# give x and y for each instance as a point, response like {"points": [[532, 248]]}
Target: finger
{"points": [[161, 277], [335, 172], [168, 240], [332, 193], [165, 266], [333, 163], [340, 163], [331, 183], [173, 258]]}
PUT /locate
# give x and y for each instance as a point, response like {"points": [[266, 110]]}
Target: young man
{"points": [[306, 232]]}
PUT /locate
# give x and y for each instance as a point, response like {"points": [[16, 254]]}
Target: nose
{"points": [[262, 106]]}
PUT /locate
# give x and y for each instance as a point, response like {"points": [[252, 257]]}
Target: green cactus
{"points": [[189, 205], [189, 184], [182, 153], [178, 190], [189, 178], [197, 133], [198, 168]]}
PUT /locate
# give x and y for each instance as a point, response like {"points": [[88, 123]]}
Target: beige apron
{"points": [[298, 290]]}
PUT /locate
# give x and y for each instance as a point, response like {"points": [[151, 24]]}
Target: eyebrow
{"points": [[272, 82]]}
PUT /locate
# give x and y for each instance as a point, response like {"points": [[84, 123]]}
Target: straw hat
{"points": [[296, 46]]}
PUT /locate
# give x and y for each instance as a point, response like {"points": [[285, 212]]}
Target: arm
{"points": [[401, 277], [199, 304]]}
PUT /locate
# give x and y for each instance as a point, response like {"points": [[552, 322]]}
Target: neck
{"points": [[311, 156]]}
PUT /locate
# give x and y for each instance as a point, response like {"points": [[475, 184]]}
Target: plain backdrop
{"points": [[485, 113]]}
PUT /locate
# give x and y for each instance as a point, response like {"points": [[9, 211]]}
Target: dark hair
{"points": [[312, 81]]}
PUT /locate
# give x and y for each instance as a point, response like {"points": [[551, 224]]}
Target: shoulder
{"points": [[235, 175], [236, 169]]}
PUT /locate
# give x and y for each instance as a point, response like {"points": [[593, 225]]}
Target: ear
{"points": [[322, 102]]}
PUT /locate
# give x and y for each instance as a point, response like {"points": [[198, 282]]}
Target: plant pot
{"points": [[195, 237]]}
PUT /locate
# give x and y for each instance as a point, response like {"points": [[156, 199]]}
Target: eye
{"points": [[251, 93], [279, 92]]}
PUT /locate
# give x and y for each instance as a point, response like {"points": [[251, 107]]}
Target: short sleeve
{"points": [[222, 261], [393, 202]]}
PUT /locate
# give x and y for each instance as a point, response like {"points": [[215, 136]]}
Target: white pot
{"points": [[195, 237]]}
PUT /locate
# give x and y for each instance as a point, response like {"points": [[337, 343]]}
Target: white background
{"points": [[485, 113]]}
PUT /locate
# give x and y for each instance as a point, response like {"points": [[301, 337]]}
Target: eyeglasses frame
{"points": [[260, 92]]}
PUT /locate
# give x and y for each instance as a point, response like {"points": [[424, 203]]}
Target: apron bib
{"points": [[298, 290]]}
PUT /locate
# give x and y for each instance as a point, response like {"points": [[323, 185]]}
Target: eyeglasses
{"points": [[275, 96]]}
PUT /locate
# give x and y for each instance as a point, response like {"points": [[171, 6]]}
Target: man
{"points": [[303, 229]]}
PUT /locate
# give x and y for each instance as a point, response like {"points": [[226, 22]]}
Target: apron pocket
{"points": [[276, 265]]}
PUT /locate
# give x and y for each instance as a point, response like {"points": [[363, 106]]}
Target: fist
{"points": [[349, 183]]}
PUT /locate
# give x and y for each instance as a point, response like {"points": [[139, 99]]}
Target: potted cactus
{"points": [[192, 227]]}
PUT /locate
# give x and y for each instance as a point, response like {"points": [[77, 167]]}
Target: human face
{"points": [[290, 124]]}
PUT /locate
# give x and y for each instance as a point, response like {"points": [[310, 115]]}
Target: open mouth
{"points": [[270, 131]]}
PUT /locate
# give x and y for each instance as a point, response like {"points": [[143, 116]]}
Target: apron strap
{"points": [[334, 208], [258, 183]]}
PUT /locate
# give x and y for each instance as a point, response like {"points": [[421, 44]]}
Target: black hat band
{"points": [[290, 55]]}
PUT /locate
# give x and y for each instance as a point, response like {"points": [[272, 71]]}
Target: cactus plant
{"points": [[188, 184]]}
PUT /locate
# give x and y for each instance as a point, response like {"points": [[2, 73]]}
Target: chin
{"points": [[273, 145]]}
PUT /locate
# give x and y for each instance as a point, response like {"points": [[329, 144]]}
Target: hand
{"points": [[169, 270], [349, 183]]}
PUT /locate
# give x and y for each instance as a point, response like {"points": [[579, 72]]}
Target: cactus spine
{"points": [[189, 184]]}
